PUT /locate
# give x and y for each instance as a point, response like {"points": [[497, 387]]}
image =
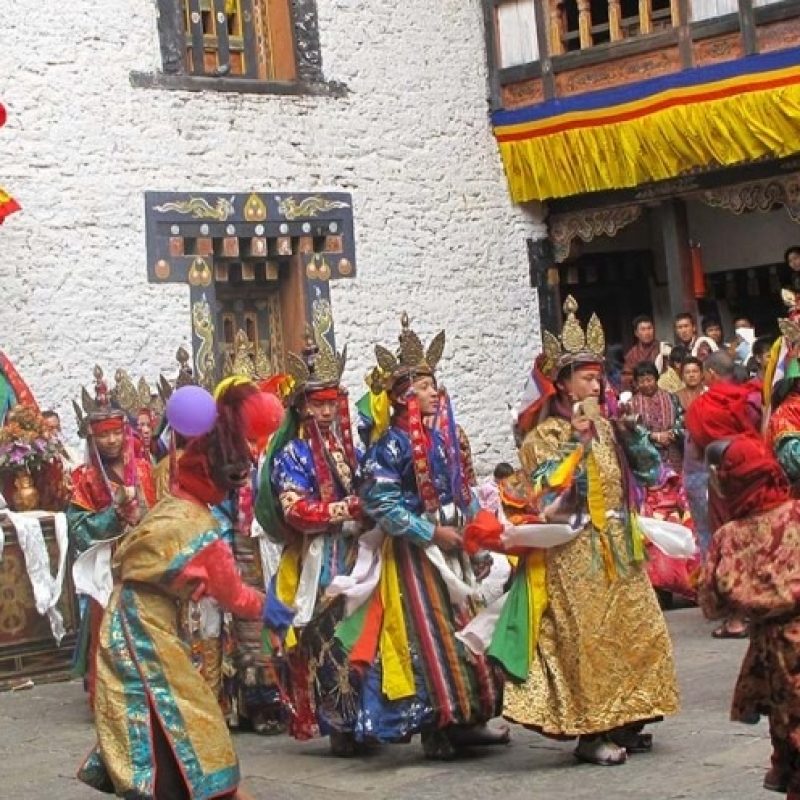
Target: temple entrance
{"points": [[615, 286], [716, 252]]}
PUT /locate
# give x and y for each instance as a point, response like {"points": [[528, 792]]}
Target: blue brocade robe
{"points": [[452, 688]]}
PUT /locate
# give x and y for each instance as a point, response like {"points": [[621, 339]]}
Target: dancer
{"points": [[600, 663], [161, 734], [751, 571], [419, 678]]}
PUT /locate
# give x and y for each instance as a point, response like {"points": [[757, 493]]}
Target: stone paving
{"points": [[45, 731]]}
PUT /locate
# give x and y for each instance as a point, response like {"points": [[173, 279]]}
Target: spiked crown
{"points": [[410, 361], [97, 408], [575, 346], [319, 366]]}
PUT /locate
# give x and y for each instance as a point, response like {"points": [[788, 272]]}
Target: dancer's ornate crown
{"points": [[574, 346], [411, 359], [318, 367], [97, 408]]}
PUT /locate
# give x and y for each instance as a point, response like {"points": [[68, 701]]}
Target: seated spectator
{"points": [[659, 414]]}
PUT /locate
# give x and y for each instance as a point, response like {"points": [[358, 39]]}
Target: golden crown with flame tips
{"points": [[575, 346], [410, 361], [318, 367]]}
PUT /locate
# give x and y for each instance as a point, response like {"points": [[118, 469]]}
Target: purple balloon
{"points": [[191, 411]]}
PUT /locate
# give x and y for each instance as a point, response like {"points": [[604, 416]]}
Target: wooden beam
{"points": [[548, 79], [684, 33], [490, 39], [673, 224], [747, 24]]}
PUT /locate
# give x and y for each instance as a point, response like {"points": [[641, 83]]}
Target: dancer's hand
{"points": [[447, 537]]}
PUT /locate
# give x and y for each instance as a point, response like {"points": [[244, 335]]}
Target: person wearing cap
{"points": [[419, 678], [307, 498], [601, 665], [110, 494], [161, 734]]}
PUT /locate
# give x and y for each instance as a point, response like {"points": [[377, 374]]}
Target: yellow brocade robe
{"points": [[144, 670], [603, 657]]}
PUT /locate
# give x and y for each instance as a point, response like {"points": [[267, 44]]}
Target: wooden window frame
{"points": [[272, 67]]}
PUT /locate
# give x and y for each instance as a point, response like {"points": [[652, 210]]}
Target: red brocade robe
{"points": [[753, 570]]}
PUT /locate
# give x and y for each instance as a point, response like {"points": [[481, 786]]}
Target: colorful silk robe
{"points": [[145, 674], [783, 434], [433, 683], [602, 657], [312, 491]]}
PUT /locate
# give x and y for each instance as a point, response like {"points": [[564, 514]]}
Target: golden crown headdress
{"points": [[574, 346], [318, 367], [93, 409], [411, 360]]}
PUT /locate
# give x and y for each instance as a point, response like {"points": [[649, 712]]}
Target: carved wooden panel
{"points": [[618, 73], [778, 35], [718, 49], [524, 93]]}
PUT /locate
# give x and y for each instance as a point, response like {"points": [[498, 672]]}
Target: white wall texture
{"points": [[436, 234]]}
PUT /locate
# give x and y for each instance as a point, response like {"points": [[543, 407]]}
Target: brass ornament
{"points": [[162, 269], [255, 209], [199, 273], [572, 337]]}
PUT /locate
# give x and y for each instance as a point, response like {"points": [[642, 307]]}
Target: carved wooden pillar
{"points": [[645, 17], [556, 14], [585, 23], [614, 20]]}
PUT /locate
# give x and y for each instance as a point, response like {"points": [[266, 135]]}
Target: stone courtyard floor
{"points": [[45, 731]]}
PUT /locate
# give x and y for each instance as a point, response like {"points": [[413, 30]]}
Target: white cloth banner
{"points": [[46, 587], [92, 573], [477, 634], [365, 575]]}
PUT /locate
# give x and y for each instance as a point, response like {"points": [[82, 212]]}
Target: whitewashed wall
{"points": [[436, 233]]}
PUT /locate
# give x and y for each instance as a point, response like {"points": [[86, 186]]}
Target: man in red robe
{"points": [[724, 411]]}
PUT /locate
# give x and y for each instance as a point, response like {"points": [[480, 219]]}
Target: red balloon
{"points": [[262, 414]]}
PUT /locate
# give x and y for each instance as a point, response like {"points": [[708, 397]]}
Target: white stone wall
{"points": [[436, 233]]}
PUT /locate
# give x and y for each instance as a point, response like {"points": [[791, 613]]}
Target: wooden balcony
{"points": [[543, 49]]}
